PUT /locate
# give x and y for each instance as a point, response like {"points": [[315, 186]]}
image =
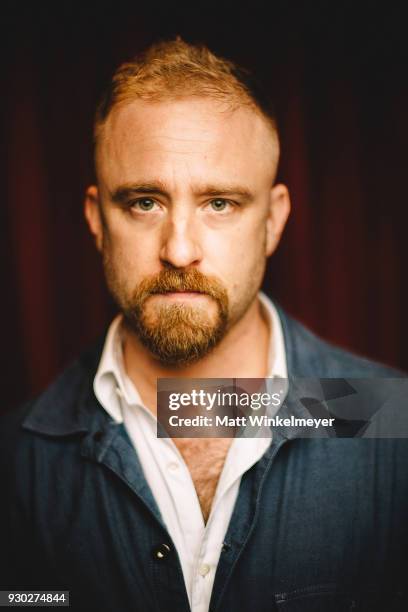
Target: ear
{"points": [[93, 216], [279, 209]]}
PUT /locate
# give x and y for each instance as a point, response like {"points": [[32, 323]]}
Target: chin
{"points": [[179, 313], [179, 335]]}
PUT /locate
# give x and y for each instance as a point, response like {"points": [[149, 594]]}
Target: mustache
{"points": [[193, 281]]}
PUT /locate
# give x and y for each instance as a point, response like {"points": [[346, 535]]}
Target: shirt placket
{"points": [[189, 532], [203, 573]]}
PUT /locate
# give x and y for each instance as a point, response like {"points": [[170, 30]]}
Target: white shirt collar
{"points": [[111, 379], [277, 353]]}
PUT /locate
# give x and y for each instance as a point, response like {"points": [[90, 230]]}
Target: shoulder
{"points": [[309, 355], [56, 409]]}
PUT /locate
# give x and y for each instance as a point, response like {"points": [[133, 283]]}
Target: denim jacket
{"points": [[318, 525]]}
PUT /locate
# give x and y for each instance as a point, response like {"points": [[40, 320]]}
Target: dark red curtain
{"points": [[338, 77]]}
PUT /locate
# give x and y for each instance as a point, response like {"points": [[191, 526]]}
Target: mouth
{"points": [[180, 295]]}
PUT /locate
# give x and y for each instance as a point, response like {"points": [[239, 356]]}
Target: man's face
{"points": [[185, 216]]}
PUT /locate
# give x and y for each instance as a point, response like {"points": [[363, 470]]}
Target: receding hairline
{"points": [[226, 106], [174, 68]]}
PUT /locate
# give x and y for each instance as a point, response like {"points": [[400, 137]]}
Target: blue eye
{"points": [[219, 204], [144, 204]]}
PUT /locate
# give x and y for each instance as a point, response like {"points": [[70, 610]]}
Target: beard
{"points": [[177, 334]]}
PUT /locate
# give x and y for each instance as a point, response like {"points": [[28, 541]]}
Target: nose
{"points": [[180, 241]]}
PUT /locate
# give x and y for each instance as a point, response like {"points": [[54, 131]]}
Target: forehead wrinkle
{"points": [[185, 139], [121, 148], [124, 146]]}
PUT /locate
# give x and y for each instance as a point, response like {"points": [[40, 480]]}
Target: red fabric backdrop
{"points": [[339, 79]]}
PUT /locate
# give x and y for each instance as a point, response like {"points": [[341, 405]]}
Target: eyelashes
{"points": [[146, 205], [142, 204]]}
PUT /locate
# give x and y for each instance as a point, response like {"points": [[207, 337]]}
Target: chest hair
{"points": [[205, 459]]}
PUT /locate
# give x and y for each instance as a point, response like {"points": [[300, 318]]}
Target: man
{"points": [[185, 212]]}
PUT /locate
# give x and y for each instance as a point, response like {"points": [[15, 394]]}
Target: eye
{"points": [[143, 204], [220, 205]]}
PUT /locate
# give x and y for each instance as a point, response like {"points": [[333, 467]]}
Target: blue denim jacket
{"points": [[319, 524]]}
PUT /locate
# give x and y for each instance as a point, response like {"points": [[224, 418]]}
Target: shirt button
{"points": [[204, 569], [173, 466], [161, 551]]}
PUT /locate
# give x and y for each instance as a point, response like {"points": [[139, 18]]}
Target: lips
{"points": [[180, 294], [177, 291]]}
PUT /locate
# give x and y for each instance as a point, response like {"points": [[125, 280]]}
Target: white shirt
{"points": [[198, 544]]}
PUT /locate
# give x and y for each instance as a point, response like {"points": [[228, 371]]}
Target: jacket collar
{"points": [[69, 405]]}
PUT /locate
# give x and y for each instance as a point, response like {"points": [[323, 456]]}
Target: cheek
{"points": [[238, 259], [251, 268], [130, 255]]}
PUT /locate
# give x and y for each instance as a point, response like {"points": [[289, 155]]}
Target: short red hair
{"points": [[176, 69]]}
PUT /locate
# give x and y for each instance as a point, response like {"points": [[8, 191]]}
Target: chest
{"points": [[205, 459]]}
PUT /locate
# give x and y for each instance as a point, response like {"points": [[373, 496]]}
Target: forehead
{"points": [[193, 139]]}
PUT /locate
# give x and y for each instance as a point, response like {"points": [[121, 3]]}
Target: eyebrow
{"points": [[124, 192]]}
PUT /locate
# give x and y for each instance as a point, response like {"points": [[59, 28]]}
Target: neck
{"points": [[242, 353]]}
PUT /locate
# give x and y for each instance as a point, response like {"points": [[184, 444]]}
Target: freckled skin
{"points": [[184, 146]]}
